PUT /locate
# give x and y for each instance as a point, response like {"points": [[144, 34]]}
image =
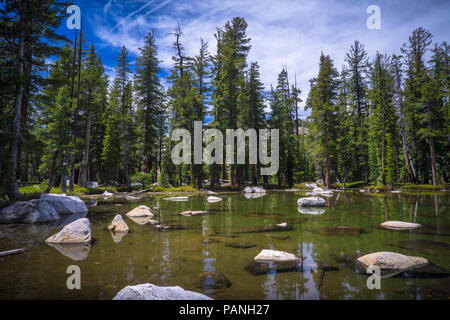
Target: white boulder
{"points": [[78, 231], [213, 199], [140, 211], [311, 202], [148, 291], [400, 225], [390, 262], [117, 225]]}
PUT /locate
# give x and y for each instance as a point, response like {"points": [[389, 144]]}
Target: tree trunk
{"points": [[85, 161], [14, 188], [75, 119]]}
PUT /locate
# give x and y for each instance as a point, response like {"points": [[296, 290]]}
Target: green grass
{"points": [[356, 185], [175, 189]]}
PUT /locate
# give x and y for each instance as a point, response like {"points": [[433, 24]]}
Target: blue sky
{"points": [[288, 33]]}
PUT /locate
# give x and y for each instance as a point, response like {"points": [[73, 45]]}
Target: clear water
{"points": [[177, 257]]}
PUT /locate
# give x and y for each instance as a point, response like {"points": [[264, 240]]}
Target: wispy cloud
{"points": [[283, 32]]}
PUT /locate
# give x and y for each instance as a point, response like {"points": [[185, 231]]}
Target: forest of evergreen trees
{"points": [[380, 119]]}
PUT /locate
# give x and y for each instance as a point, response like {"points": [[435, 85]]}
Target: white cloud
{"points": [[284, 32]]}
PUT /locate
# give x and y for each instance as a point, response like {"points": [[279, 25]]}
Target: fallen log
{"points": [[7, 253]]}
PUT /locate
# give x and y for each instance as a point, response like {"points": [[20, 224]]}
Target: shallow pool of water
{"points": [[198, 244]]}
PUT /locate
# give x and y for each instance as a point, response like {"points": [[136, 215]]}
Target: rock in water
{"points": [[78, 231], [391, 263], [272, 260], [311, 202], [140, 212], [33, 211], [268, 228], [177, 198], [240, 245], [64, 204], [117, 225], [212, 280], [213, 199], [339, 231], [148, 291], [400, 225], [254, 190], [192, 213]]}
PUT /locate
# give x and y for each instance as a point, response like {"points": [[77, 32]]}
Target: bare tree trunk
{"points": [[75, 119], [14, 188], [52, 176], [85, 161]]}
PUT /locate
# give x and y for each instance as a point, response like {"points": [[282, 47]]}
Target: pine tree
{"points": [[322, 102], [148, 94], [382, 122], [416, 71], [357, 92]]}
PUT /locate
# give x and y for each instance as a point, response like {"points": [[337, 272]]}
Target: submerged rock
{"points": [[212, 280], [168, 227], [148, 291], [391, 263], [240, 245], [273, 261], [213, 199], [33, 211], [78, 231], [278, 237], [65, 204], [339, 231], [311, 202], [117, 225], [210, 240], [268, 228], [139, 212], [400, 225], [183, 198], [192, 213], [74, 251], [425, 246]]}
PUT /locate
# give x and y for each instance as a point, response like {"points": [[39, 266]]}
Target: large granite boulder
{"points": [[78, 231], [273, 260], [148, 291], [33, 211], [311, 202], [391, 263], [64, 204]]}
